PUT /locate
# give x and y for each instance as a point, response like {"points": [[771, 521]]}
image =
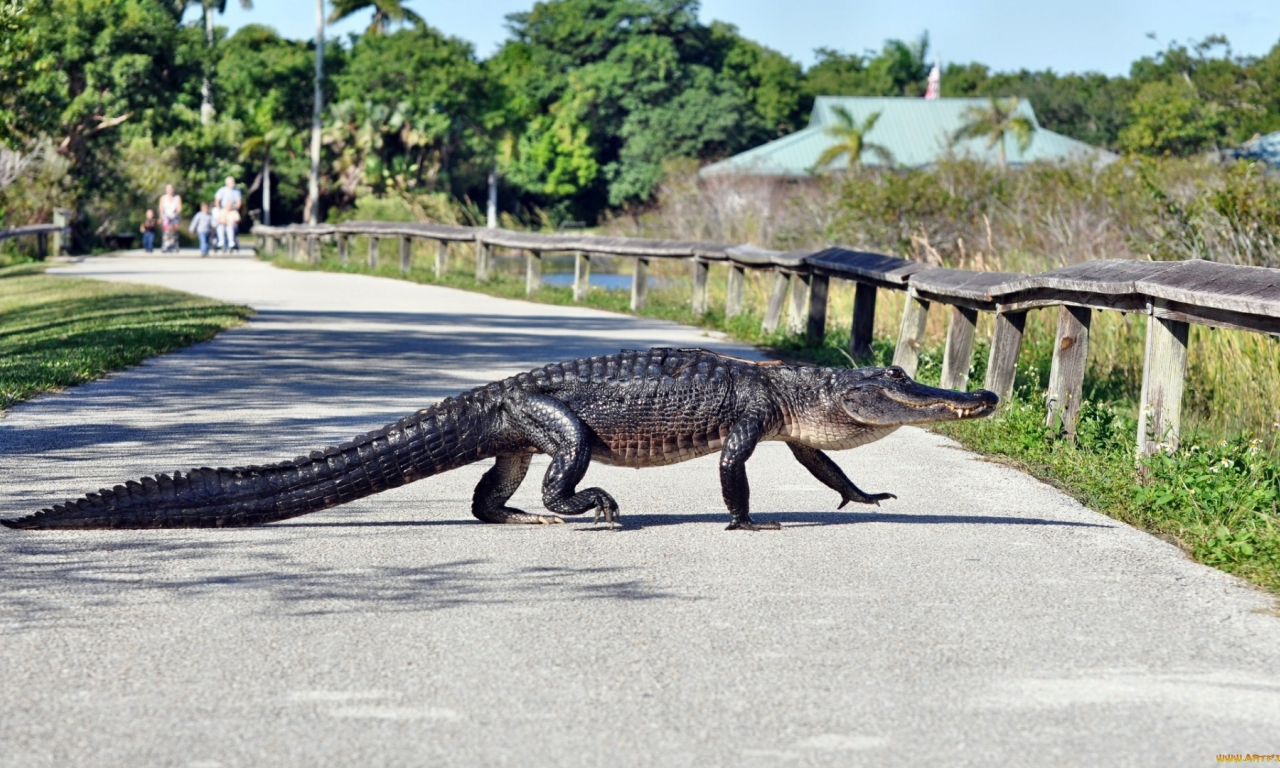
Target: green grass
{"points": [[1215, 497], [56, 332]]}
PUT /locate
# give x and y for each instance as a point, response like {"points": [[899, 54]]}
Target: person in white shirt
{"points": [[228, 192], [170, 214]]}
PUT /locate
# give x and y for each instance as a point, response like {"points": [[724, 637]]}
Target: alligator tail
{"points": [[427, 443]]}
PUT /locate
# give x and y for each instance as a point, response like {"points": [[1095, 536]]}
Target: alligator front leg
{"points": [[558, 432], [489, 503], [738, 447], [822, 467]]}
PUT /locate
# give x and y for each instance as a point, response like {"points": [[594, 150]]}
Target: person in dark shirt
{"points": [[148, 230]]}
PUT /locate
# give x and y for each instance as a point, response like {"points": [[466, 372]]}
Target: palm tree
{"points": [[207, 7], [385, 13], [261, 143], [851, 139], [996, 121]]}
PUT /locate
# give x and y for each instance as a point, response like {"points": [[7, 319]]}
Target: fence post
{"points": [[532, 271], [1002, 365], [777, 295], [406, 254], [733, 294], [373, 252], [581, 275], [313, 249], [799, 295], [914, 316], [62, 238], [1066, 372], [42, 245], [293, 247], [640, 285], [864, 320], [1163, 375], [442, 257], [700, 273], [482, 262], [817, 327], [958, 354], [344, 247]]}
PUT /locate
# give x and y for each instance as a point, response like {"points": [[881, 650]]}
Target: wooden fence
{"points": [[1172, 295], [41, 232]]}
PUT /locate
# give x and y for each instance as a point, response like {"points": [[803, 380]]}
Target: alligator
{"points": [[633, 409]]}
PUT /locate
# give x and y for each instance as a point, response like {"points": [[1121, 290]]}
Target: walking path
{"points": [[982, 618]]}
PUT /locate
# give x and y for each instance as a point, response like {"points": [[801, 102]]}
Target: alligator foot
{"points": [[859, 497], [608, 510], [751, 525]]}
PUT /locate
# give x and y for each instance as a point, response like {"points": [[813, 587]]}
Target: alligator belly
{"points": [[654, 452]]}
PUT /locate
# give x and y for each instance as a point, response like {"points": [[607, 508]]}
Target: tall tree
{"points": [[78, 70], [385, 13], [851, 139], [994, 122], [207, 9]]}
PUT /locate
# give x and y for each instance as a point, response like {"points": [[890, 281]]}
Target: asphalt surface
{"points": [[983, 618]]}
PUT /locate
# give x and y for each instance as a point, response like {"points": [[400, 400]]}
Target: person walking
{"points": [[170, 215], [228, 197], [148, 230], [231, 219], [219, 219], [202, 226]]}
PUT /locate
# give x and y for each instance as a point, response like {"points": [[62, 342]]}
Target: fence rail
{"points": [[1173, 296], [41, 232]]}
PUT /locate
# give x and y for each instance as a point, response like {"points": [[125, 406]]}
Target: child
{"points": [[202, 225], [231, 217], [148, 229], [220, 221]]}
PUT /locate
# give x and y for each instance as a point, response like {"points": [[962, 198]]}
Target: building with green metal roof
{"points": [[917, 132]]}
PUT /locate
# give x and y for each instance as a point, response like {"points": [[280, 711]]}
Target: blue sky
{"points": [[1098, 35]]}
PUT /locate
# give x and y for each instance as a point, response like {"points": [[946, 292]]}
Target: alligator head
{"points": [[883, 397], [838, 409]]}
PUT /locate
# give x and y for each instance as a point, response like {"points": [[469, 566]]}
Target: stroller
{"points": [[170, 241]]}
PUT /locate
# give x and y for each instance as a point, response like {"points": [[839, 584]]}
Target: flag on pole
{"points": [[934, 89]]}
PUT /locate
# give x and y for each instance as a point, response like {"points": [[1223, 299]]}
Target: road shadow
{"points": [[60, 582], [787, 519]]}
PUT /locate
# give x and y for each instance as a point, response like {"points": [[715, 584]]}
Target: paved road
{"points": [[983, 618]]}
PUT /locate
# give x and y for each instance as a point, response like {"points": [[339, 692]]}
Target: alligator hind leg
{"points": [[498, 484], [558, 432]]}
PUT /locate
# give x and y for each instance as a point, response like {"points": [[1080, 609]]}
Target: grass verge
{"points": [[1216, 498], [56, 332]]}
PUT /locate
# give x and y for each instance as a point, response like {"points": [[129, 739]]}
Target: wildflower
{"points": [[1226, 463], [1214, 469], [1191, 491]]}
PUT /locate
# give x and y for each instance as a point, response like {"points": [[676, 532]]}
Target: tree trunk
{"points": [[492, 219], [266, 190], [313, 188], [206, 87]]}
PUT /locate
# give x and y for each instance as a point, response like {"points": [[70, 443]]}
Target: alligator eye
{"points": [[894, 372]]}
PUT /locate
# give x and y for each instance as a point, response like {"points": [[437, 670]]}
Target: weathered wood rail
{"points": [[1173, 296], [42, 233]]}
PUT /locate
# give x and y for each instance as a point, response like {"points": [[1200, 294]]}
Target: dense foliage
{"points": [[580, 111]]}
